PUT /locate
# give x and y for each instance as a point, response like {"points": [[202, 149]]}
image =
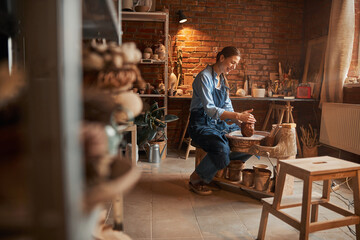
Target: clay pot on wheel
{"points": [[247, 129]]}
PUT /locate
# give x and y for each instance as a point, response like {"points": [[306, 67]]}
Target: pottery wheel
{"points": [[258, 136]]}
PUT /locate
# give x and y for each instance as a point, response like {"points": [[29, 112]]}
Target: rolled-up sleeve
{"points": [[228, 105]]}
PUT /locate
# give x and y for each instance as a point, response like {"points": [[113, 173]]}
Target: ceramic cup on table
{"points": [[146, 55], [161, 55]]}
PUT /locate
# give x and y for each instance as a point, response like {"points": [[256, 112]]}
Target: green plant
{"points": [[152, 124]]}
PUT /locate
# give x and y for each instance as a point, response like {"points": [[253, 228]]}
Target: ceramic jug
{"points": [[127, 5]]}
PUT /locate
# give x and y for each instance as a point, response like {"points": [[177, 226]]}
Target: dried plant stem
{"points": [[308, 137]]}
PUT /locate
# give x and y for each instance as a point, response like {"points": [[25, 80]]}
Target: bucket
{"points": [[248, 177], [234, 170], [234, 174], [262, 179]]}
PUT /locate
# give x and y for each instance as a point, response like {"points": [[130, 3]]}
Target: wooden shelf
{"points": [[251, 190], [144, 16], [152, 61], [152, 95]]}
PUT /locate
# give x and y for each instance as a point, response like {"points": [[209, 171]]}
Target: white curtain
{"points": [[339, 50]]}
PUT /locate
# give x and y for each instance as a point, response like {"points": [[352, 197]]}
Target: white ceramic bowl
{"points": [[258, 92]]}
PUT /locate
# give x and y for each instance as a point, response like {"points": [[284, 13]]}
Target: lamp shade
{"points": [[182, 17]]}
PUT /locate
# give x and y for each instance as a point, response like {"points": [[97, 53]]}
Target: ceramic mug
{"points": [[146, 55], [161, 55], [155, 57]]}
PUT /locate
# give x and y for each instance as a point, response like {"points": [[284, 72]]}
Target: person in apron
{"points": [[209, 110]]}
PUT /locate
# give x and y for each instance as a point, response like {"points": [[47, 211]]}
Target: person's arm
{"points": [[245, 116]]}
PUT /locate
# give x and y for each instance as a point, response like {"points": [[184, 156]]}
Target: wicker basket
{"points": [[238, 143]]}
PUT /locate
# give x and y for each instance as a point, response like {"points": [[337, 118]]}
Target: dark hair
{"points": [[228, 51]]}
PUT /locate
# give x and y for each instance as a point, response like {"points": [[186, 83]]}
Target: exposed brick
{"points": [[261, 45]]}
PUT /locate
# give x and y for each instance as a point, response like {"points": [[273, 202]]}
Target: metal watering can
{"points": [[154, 153]]}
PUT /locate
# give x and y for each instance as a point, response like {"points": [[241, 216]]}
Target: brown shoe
{"points": [[200, 188], [213, 186]]}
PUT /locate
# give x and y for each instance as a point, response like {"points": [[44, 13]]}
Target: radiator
{"points": [[340, 126]]}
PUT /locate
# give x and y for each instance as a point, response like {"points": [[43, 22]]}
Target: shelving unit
{"points": [[154, 17], [100, 20]]}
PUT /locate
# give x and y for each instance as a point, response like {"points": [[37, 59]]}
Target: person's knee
{"points": [[221, 158]]}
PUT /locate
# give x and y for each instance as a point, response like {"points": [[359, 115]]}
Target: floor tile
{"points": [[173, 227], [229, 227], [161, 207]]}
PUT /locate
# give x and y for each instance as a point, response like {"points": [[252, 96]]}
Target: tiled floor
{"points": [[161, 207]]}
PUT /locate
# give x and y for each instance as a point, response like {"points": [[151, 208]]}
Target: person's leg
{"points": [[206, 170], [217, 157]]}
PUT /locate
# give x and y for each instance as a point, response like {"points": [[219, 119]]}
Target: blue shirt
{"points": [[203, 88]]}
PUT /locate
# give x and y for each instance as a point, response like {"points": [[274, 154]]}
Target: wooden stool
{"points": [[186, 140], [309, 170], [132, 129]]}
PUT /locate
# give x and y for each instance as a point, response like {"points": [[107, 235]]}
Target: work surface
{"points": [[161, 207], [255, 99]]}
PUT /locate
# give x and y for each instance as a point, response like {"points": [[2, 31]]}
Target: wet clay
{"points": [[247, 129]]}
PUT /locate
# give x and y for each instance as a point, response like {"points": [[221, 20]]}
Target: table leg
{"points": [[118, 211], [133, 146], [356, 191], [267, 117], [326, 189], [288, 111], [314, 212], [279, 188], [263, 223], [282, 111], [305, 209], [184, 132]]}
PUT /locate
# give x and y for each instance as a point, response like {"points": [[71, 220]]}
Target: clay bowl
{"points": [[142, 8]]}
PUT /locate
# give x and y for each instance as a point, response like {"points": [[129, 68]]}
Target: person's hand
{"points": [[246, 116]]}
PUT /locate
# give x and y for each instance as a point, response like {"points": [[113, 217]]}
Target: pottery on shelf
{"points": [[143, 6]]}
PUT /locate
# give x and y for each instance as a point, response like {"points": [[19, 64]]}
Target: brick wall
{"points": [[266, 32]]}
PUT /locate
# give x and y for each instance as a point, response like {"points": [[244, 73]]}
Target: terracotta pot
{"points": [[248, 177]]}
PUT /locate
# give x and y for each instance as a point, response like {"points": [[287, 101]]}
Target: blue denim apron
{"points": [[209, 134]]}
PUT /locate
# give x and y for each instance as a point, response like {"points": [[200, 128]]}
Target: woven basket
{"points": [[238, 143]]}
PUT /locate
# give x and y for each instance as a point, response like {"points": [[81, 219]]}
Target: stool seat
{"points": [[309, 170]]}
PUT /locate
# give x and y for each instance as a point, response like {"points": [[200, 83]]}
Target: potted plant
{"points": [[309, 139], [151, 126]]}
